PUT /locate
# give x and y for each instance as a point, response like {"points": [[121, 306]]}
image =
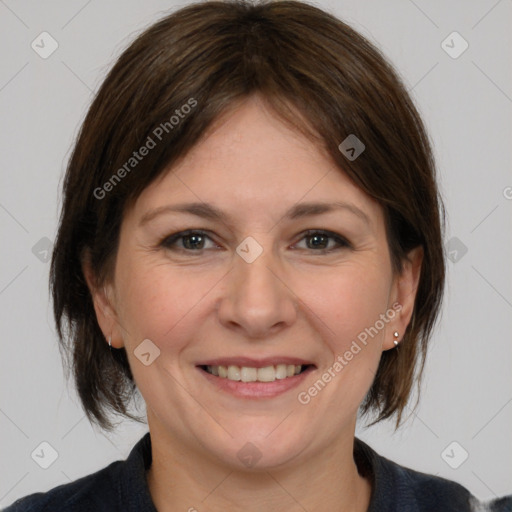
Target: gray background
{"points": [[466, 103]]}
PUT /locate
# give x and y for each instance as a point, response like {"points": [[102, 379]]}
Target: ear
{"points": [[403, 295], [104, 304]]}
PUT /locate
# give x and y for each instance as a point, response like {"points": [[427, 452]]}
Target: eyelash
{"points": [[170, 241]]}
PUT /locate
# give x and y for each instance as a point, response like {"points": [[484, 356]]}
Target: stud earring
{"points": [[395, 341]]}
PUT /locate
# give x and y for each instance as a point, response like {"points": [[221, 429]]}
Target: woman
{"points": [[251, 237]]}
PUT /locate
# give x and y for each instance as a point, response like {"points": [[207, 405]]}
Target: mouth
{"points": [[252, 374], [256, 379]]}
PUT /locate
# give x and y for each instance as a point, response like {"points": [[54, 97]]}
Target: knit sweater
{"points": [[122, 486]]}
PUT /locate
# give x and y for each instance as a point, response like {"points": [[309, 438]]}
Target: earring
{"points": [[395, 341], [110, 342]]}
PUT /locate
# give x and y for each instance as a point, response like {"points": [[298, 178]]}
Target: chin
{"points": [[261, 444]]}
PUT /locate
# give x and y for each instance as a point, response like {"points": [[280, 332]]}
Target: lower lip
{"points": [[256, 389]]}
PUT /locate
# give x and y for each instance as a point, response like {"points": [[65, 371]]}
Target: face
{"points": [[268, 286]]}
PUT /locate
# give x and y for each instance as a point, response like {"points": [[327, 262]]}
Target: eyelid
{"points": [[338, 238], [170, 240]]}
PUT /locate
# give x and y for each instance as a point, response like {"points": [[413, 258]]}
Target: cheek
{"points": [[356, 302], [159, 302], [355, 299]]}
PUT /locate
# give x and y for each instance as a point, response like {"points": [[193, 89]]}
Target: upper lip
{"points": [[254, 363]]}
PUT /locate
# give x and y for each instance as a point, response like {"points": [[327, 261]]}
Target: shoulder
{"points": [[430, 492], [92, 492], [397, 487], [119, 486]]}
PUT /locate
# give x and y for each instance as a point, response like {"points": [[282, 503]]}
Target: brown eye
{"points": [[186, 240], [324, 241]]}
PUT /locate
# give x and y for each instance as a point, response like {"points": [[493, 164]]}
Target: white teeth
{"points": [[281, 371], [247, 374], [234, 373], [267, 374]]}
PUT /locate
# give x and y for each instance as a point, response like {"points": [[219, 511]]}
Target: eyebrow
{"points": [[208, 211]]}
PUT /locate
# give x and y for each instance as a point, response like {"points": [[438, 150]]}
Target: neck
{"points": [[183, 478]]}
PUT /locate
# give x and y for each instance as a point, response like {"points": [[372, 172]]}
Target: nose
{"points": [[257, 301]]}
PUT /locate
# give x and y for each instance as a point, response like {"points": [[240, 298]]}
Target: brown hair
{"points": [[301, 60]]}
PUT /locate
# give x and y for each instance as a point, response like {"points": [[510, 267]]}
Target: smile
{"points": [[249, 378], [251, 374]]}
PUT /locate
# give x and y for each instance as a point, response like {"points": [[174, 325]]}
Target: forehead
{"points": [[251, 161]]}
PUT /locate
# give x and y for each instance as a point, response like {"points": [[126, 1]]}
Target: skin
{"points": [[294, 299]]}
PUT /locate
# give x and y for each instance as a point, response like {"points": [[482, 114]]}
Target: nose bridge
{"points": [[256, 299], [256, 277]]}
